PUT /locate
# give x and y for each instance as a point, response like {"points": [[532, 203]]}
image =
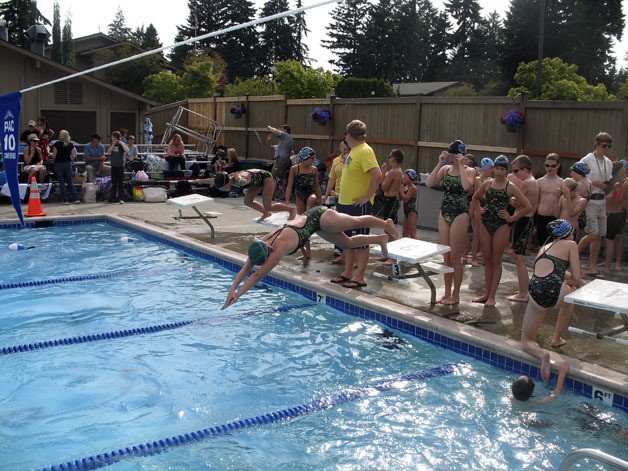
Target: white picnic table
{"points": [[418, 254], [192, 201], [607, 295]]}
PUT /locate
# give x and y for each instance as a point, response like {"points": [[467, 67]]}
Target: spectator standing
{"points": [[361, 177], [44, 127], [44, 145], [175, 153], [522, 229], [33, 160], [549, 191], [116, 156], [283, 151], [601, 169], [32, 129], [94, 157], [63, 154]]}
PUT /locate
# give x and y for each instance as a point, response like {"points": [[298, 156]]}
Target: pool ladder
{"points": [[590, 453]]}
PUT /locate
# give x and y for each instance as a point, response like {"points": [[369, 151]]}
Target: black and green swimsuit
{"points": [[257, 180], [545, 290], [496, 200], [312, 225], [455, 199]]}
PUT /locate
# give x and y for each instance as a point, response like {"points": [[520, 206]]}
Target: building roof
{"points": [[422, 88], [65, 70]]}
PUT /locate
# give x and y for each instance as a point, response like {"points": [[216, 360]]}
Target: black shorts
{"points": [[615, 223], [351, 210]]}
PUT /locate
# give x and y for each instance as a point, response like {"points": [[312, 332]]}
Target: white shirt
{"points": [[599, 171]]}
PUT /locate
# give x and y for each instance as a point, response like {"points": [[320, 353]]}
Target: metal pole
{"points": [[539, 64]]}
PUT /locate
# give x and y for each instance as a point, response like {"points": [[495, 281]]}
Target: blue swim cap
{"points": [[411, 173], [559, 228], [306, 153], [625, 163], [580, 168], [486, 162], [457, 147], [502, 161], [258, 251]]}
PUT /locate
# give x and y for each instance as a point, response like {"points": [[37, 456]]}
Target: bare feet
{"points": [[266, 215], [490, 302], [561, 341], [517, 297], [392, 229], [545, 367], [384, 245], [475, 263], [450, 301], [481, 299], [293, 213], [338, 260], [443, 298]]}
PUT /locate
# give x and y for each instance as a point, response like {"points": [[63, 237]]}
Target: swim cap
{"points": [[220, 179], [625, 163], [522, 388], [258, 251], [580, 168], [306, 153], [502, 161], [457, 147], [486, 162], [559, 228], [411, 173]]}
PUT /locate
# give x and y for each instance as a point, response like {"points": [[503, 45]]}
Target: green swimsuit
{"points": [[304, 185], [455, 200], [312, 224], [257, 180], [496, 200], [545, 290]]}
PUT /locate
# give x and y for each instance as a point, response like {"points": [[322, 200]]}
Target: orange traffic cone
{"points": [[34, 202]]}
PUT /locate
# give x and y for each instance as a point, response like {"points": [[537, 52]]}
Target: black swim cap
{"points": [[220, 179], [522, 388], [457, 147]]}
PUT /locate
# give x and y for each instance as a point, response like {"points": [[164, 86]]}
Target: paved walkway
{"points": [[235, 228]]}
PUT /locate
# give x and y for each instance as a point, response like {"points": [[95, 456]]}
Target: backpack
{"points": [[183, 188]]}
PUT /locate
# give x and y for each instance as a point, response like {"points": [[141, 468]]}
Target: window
{"points": [[69, 93]]}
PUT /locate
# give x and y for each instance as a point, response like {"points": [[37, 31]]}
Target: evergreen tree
{"points": [[466, 15], [346, 32], [299, 27], [118, 29], [20, 15], [277, 36], [149, 39], [67, 43], [238, 49], [379, 41], [56, 53]]}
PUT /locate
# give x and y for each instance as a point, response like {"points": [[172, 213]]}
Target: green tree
{"points": [[67, 43], [354, 87], [20, 15], [299, 27], [277, 37], [297, 81], [560, 81], [201, 76], [255, 86], [118, 29], [467, 18], [346, 33], [148, 38], [56, 53], [164, 87]]}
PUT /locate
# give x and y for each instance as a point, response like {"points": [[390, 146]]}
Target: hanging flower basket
{"points": [[238, 110], [320, 116], [513, 120]]}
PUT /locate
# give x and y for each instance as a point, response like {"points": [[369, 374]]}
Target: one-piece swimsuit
{"points": [[304, 185], [455, 200], [257, 180], [545, 290], [410, 205], [496, 200], [312, 224]]}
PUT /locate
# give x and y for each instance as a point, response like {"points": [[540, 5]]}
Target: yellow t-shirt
{"points": [[335, 171], [355, 173]]}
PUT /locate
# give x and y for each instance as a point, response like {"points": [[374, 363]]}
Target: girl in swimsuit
{"points": [[254, 182], [408, 193], [327, 223], [549, 284], [494, 230], [303, 177], [453, 221]]}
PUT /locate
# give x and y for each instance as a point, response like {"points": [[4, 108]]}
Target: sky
{"points": [[88, 18]]}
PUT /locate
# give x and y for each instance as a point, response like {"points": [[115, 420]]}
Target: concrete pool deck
{"points": [[235, 228]]}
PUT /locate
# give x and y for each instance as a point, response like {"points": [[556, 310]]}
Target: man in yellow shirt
{"points": [[361, 176]]}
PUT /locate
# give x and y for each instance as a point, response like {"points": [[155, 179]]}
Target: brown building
{"points": [[82, 105]]}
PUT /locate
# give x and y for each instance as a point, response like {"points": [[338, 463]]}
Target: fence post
{"points": [[521, 135], [416, 133], [332, 110]]}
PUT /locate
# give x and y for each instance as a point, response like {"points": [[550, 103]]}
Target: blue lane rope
{"points": [[153, 329], [317, 405], [72, 279]]}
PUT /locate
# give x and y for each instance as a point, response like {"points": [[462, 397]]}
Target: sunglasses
{"points": [[551, 165], [515, 170], [606, 146]]}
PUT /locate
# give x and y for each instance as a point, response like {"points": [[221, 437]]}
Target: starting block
{"points": [[192, 201]]}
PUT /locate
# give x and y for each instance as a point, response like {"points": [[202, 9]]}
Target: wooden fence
{"points": [[420, 126]]}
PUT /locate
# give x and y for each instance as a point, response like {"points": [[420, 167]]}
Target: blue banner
{"points": [[10, 108]]}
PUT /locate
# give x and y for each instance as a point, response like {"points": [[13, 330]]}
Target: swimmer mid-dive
{"points": [[327, 223]]}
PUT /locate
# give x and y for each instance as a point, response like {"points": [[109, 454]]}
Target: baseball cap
{"points": [[486, 162], [32, 123], [457, 147], [411, 173], [32, 137], [258, 251]]}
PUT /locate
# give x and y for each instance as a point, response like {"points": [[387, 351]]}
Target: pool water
{"points": [[66, 402]]}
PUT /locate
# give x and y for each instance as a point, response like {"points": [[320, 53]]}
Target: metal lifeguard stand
{"points": [[205, 130]]}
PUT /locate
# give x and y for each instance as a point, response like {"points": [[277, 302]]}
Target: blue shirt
{"points": [[91, 151]]}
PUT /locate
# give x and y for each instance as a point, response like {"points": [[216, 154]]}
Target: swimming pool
{"points": [[277, 353]]}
